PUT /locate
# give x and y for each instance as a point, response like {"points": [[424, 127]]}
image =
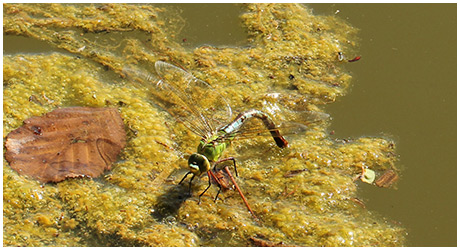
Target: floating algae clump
{"points": [[304, 195]]}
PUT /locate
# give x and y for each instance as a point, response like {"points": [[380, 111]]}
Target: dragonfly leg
{"points": [[209, 181], [210, 174], [185, 176], [190, 183], [229, 159], [217, 195]]}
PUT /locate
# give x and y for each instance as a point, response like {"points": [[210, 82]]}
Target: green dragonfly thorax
{"points": [[208, 151]]}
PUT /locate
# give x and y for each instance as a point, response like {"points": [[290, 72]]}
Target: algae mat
{"points": [[305, 195]]}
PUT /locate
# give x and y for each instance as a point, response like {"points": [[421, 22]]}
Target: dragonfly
{"points": [[204, 111]]}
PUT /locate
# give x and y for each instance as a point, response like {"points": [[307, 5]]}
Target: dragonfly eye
{"points": [[198, 164]]}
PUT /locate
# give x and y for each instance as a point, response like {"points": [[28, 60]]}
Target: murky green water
{"points": [[403, 88]]}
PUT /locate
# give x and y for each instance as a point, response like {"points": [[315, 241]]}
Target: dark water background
{"points": [[404, 88]]}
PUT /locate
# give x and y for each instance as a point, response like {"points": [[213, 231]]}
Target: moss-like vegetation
{"points": [[138, 203]]}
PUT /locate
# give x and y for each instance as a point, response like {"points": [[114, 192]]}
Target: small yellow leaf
{"points": [[368, 176]]}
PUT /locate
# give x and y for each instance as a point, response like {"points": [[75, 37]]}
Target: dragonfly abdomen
{"points": [[236, 124]]}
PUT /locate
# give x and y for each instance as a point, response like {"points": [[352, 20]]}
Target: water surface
{"points": [[403, 88]]}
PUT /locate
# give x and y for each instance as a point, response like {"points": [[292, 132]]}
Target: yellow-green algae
{"points": [[138, 203]]}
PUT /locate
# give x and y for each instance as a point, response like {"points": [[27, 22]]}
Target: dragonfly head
{"points": [[198, 164]]}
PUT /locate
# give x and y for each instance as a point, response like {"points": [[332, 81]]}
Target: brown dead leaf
{"points": [[387, 179], [258, 242], [66, 143]]}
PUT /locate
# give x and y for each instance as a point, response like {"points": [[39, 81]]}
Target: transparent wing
{"points": [[189, 100]]}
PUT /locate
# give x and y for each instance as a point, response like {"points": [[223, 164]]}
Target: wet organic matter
{"points": [[66, 143]]}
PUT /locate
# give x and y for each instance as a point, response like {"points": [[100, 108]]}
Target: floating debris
{"points": [[258, 242], [292, 173], [387, 179], [367, 176], [66, 143], [358, 201], [356, 58], [341, 57]]}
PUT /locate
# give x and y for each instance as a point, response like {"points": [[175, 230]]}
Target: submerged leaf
{"points": [[66, 143]]}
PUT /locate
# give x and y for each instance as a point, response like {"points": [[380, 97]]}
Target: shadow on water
{"points": [[169, 203], [166, 210]]}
